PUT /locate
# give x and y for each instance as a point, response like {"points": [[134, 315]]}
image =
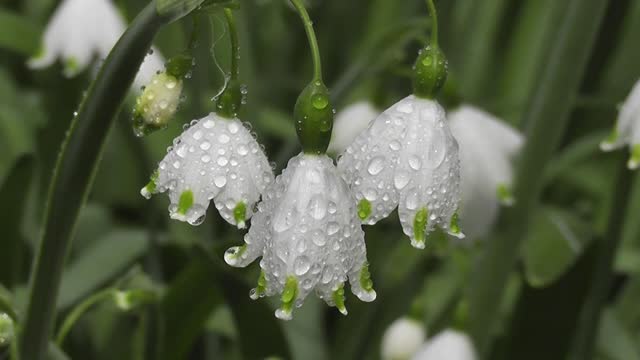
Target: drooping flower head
{"points": [[350, 122], [487, 150], [81, 30], [309, 236], [627, 130], [402, 339], [215, 158], [408, 159], [447, 345]]}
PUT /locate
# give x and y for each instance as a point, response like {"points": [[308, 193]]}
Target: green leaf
{"points": [[547, 119], [18, 34], [614, 341], [557, 238], [13, 199], [55, 353], [99, 263], [189, 301]]}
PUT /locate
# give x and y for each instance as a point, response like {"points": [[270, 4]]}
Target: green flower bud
{"points": [[229, 102], [159, 100], [128, 300], [313, 115], [6, 329], [429, 72]]}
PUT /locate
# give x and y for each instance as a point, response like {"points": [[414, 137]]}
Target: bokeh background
{"points": [[499, 53]]}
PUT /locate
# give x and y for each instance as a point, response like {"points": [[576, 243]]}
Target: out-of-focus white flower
{"points": [[627, 130], [407, 158], [309, 236], [447, 345], [402, 339], [350, 122], [215, 158], [80, 30], [487, 150]]}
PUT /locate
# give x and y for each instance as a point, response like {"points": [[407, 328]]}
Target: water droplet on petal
{"points": [[376, 165]]}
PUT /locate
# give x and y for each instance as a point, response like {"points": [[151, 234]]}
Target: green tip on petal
{"points": [[71, 67], [186, 202], [420, 228], [365, 278], [505, 196], [607, 144], [261, 289], [634, 160], [338, 299], [454, 226], [364, 209], [289, 295], [240, 214], [151, 186]]}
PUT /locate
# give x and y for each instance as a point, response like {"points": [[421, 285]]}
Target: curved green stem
{"points": [[74, 172], [79, 310], [434, 22], [235, 44], [311, 36]]}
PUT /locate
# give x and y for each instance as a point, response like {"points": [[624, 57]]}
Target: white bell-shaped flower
{"points": [[215, 158], [402, 339], [447, 345], [488, 147], [350, 122], [407, 158], [309, 236], [157, 104], [7, 331], [627, 130], [80, 30]]}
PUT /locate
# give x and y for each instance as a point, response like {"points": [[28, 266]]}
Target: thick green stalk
{"points": [[547, 119], [74, 173], [235, 44], [585, 337]]}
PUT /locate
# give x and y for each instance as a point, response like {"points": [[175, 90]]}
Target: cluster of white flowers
{"points": [[307, 226], [404, 339], [81, 30]]}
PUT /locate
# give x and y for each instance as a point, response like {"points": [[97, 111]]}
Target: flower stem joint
{"points": [[430, 72], [313, 115], [160, 99]]}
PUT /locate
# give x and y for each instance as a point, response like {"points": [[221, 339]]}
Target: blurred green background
{"points": [[499, 52]]}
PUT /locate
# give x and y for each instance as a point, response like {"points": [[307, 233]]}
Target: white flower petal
{"points": [[447, 345], [407, 158], [402, 339], [152, 64], [349, 123], [307, 229], [487, 149], [626, 129], [214, 158]]}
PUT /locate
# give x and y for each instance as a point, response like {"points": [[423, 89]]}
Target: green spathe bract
{"points": [[430, 72], [313, 116]]}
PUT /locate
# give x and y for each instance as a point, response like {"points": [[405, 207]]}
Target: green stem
{"points": [[585, 338], [74, 172], [79, 310], [434, 22], [311, 36], [235, 44], [547, 120]]}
